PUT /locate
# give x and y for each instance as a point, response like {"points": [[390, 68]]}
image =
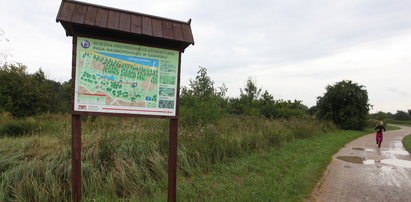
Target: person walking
{"points": [[378, 136]]}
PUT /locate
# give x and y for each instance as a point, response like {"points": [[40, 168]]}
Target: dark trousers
{"points": [[378, 138]]}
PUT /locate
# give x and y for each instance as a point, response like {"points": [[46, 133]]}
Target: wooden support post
{"points": [[76, 157], [172, 160]]}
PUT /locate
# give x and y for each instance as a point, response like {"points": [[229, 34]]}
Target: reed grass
{"points": [[126, 158]]}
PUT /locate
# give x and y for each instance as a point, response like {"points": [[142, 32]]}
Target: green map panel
{"points": [[129, 76]]}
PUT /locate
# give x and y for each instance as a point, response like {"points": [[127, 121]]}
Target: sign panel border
{"points": [[144, 115]]}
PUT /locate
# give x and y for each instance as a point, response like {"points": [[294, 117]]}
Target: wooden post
{"points": [[172, 160], [76, 157]]}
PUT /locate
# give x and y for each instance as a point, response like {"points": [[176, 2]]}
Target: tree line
{"points": [[201, 102], [345, 103], [23, 94]]}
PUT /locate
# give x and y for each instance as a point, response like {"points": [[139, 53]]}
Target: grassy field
{"points": [[407, 143], [286, 173], [390, 127], [403, 123], [127, 158]]}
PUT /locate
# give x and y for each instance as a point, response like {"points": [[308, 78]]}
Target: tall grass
{"points": [[286, 173], [404, 123], [126, 158], [407, 142]]}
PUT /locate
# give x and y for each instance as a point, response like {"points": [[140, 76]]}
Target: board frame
{"points": [[74, 69]]}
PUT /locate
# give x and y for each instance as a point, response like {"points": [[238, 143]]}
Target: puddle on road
{"points": [[388, 156], [360, 160], [369, 162], [398, 144], [351, 159], [397, 162], [396, 152], [362, 149]]}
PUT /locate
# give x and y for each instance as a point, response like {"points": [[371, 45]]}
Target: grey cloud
{"points": [[277, 31]]}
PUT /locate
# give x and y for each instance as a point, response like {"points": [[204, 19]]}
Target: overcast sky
{"points": [[293, 49]]}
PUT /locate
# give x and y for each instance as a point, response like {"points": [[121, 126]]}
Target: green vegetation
{"points": [[392, 127], [345, 103], [407, 143], [19, 128], [269, 149], [286, 173], [404, 123], [372, 123], [400, 118], [202, 103], [23, 94], [127, 158]]}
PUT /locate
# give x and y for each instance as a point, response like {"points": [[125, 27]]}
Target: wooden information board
{"points": [[124, 63]]}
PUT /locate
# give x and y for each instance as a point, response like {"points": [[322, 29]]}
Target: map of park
{"points": [[111, 79]]}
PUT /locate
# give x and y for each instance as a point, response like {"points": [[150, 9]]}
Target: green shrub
{"points": [[19, 127], [200, 112], [5, 117]]}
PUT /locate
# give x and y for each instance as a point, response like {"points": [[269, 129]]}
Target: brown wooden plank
{"points": [[178, 32], [125, 22], [79, 14], [91, 15], [157, 28], [113, 19], [168, 30], [188, 35], [76, 157], [136, 24], [172, 160], [147, 27], [101, 17], [66, 11]]}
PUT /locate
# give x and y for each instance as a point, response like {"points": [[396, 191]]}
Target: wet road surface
{"points": [[363, 172]]}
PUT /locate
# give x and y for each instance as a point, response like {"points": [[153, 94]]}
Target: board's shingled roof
{"points": [[84, 18]]}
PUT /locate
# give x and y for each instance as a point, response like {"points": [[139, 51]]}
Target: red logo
{"points": [[83, 107]]}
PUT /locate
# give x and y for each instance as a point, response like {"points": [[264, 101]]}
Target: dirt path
{"points": [[363, 172]]}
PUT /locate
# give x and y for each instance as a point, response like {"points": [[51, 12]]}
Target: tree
{"points": [[15, 96], [200, 102], [251, 92], [380, 116], [249, 97], [288, 109], [401, 116], [267, 98], [23, 94], [267, 105], [202, 86], [312, 110], [345, 103]]}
